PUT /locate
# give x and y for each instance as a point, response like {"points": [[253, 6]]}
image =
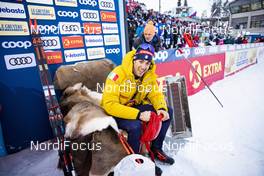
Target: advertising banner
{"points": [[72, 31], [239, 59], [210, 67]]}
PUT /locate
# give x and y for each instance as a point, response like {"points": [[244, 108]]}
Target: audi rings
{"points": [[106, 4], [20, 61], [90, 15], [49, 42]]}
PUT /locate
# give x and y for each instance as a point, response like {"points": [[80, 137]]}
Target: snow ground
{"points": [[226, 141]]}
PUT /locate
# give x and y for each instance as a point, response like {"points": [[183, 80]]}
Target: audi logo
{"points": [[49, 42], [18, 44], [89, 15], [70, 28], [20, 61], [161, 55], [112, 51], [88, 2], [106, 4], [68, 14], [199, 51]]}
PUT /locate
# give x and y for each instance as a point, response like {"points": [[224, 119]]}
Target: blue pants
{"points": [[134, 127]]}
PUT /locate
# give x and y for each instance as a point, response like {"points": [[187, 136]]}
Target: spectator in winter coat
{"points": [[149, 37], [131, 93]]}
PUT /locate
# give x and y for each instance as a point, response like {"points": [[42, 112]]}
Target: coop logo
{"points": [[17, 44], [199, 51], [50, 2], [69, 28], [112, 51], [93, 40], [45, 29], [88, 2], [74, 55], [111, 40], [50, 43], [68, 14], [183, 53], [92, 28], [213, 49], [54, 57], [195, 79], [12, 10], [17, 61], [89, 15], [161, 55], [96, 53], [106, 4], [72, 42], [41, 12], [108, 16], [109, 28], [69, 3], [13, 28]]}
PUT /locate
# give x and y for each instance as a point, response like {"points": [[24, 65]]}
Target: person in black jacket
{"points": [[149, 36]]}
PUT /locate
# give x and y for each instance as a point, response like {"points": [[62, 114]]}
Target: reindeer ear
{"points": [[71, 90]]}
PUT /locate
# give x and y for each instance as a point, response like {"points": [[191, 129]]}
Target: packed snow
{"points": [[226, 141]]}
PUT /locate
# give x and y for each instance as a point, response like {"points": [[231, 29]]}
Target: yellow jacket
{"points": [[122, 90]]}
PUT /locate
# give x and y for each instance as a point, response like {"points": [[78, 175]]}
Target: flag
{"points": [[113, 76]]}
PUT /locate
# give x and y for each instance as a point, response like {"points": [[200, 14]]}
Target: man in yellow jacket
{"points": [[131, 93]]}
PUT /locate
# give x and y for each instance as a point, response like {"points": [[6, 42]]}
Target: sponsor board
{"points": [[70, 28], [111, 40], [16, 44], [51, 43], [210, 67], [89, 15], [18, 61], [13, 28], [240, 59], [74, 55], [108, 16], [92, 3], [12, 10], [96, 53], [45, 29], [109, 28], [69, 14], [93, 40], [41, 12], [54, 57], [106, 4], [112, 51], [69, 3], [92, 28], [72, 42], [50, 2]]}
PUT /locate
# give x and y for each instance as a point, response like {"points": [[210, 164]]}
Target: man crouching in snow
{"points": [[131, 93]]}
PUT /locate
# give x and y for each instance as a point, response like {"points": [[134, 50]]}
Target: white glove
{"points": [[145, 116], [165, 114]]}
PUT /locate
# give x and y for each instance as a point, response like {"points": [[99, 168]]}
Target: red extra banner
{"points": [[211, 68], [54, 57]]}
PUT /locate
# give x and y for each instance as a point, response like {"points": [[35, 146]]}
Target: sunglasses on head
{"points": [[146, 46]]}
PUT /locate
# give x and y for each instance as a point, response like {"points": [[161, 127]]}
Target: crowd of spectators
{"points": [[171, 32]]}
